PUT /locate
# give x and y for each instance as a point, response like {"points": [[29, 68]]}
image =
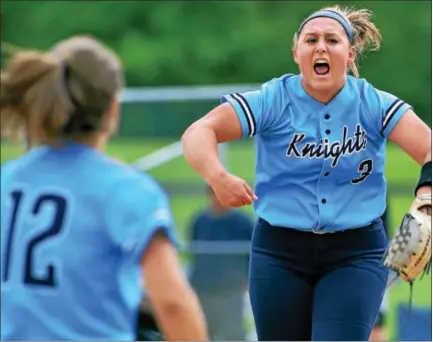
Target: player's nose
{"points": [[320, 46]]}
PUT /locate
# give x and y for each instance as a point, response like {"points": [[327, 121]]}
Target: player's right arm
{"points": [[200, 140], [241, 115], [200, 148], [141, 223]]}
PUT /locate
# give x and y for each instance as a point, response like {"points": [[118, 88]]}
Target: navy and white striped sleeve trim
{"points": [[392, 110], [249, 116]]}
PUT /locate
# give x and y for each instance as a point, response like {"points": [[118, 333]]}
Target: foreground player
{"points": [[316, 270], [79, 228]]}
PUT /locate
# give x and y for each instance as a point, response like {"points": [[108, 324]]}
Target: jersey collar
{"points": [[344, 97]]}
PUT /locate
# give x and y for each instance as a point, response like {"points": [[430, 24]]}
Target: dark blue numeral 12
{"points": [[49, 279]]}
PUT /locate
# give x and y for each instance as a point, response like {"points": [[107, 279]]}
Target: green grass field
{"points": [[400, 170]]}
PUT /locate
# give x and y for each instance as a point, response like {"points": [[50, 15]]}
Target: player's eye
{"points": [[311, 40], [332, 40]]}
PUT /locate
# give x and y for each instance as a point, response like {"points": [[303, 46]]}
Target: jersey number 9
{"points": [[364, 168], [54, 228]]}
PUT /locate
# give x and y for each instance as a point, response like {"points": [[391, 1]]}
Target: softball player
{"points": [[80, 230], [316, 265]]}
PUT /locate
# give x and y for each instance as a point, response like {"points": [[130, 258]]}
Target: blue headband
{"points": [[333, 15]]}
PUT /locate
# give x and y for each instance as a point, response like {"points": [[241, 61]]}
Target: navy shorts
{"points": [[306, 286]]}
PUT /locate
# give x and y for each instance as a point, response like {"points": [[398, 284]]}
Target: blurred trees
{"points": [[209, 42]]}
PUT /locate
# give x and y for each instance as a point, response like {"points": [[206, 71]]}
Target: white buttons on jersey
{"points": [[324, 131]]}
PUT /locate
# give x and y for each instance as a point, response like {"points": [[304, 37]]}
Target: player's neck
{"points": [[97, 141], [323, 96]]}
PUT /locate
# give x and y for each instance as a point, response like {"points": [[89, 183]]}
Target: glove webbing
{"points": [[427, 268]]}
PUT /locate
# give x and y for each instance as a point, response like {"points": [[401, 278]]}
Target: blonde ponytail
{"points": [[33, 97], [367, 35], [60, 94]]}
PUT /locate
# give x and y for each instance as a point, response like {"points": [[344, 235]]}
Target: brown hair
{"points": [[367, 35], [64, 92]]}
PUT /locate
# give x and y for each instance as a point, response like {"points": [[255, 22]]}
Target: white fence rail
{"points": [[166, 94]]}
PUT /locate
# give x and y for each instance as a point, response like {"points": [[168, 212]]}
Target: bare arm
{"points": [[176, 306], [200, 140], [413, 136], [200, 147]]}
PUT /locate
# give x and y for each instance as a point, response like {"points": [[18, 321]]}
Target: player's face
{"points": [[323, 52]]}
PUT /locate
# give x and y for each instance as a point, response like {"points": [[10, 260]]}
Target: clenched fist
{"points": [[232, 191]]}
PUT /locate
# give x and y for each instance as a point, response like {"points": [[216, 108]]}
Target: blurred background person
{"points": [[219, 246]]}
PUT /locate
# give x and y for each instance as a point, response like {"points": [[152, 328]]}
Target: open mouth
{"points": [[321, 68]]}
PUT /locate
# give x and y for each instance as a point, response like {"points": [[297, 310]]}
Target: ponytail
{"points": [[367, 35], [33, 97]]}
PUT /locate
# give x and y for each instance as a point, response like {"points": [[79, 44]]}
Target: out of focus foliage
{"points": [[219, 42]]}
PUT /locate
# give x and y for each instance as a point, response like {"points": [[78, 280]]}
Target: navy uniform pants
{"points": [[306, 286]]}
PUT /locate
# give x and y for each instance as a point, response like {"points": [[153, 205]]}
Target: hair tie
{"points": [[65, 72], [78, 119]]}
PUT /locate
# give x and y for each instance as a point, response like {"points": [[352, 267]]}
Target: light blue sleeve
{"points": [[383, 109], [137, 210], [6, 171], [257, 110], [391, 110], [4, 181]]}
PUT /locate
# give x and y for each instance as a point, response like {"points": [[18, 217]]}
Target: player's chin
{"points": [[323, 78], [322, 82]]}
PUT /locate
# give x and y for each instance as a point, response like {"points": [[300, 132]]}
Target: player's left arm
{"points": [[409, 251], [413, 136], [399, 123], [140, 222]]}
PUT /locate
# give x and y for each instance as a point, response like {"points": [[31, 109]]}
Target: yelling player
{"points": [[316, 270]]}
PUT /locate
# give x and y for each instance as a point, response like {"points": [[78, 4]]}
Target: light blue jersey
{"points": [[318, 166], [74, 226]]}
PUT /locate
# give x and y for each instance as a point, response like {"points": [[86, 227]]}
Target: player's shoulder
{"points": [[368, 94], [280, 80], [276, 92], [24, 162], [378, 100], [131, 182], [360, 84], [7, 169], [280, 84]]}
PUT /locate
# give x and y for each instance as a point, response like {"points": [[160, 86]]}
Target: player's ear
{"points": [[113, 116], [295, 55], [352, 55]]}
